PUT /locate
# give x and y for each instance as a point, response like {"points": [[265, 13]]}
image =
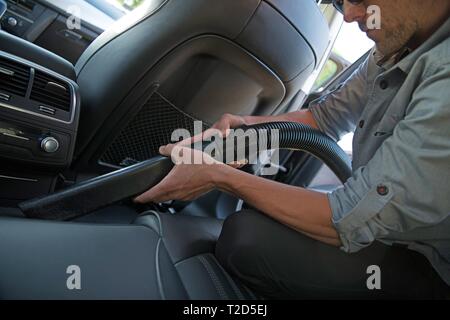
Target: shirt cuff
{"points": [[356, 214]]}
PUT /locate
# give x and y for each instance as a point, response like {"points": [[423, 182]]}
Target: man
{"points": [[392, 214]]}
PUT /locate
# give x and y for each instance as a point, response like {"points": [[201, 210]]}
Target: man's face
{"points": [[399, 22]]}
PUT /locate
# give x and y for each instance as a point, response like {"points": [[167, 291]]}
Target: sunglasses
{"points": [[339, 4]]}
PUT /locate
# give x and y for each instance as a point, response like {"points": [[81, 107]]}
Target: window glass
{"points": [[327, 74], [127, 4], [352, 43]]}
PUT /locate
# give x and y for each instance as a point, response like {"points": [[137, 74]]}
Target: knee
{"points": [[240, 243]]}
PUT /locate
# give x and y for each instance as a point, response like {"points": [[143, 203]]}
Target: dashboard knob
{"points": [[49, 145], [12, 21]]}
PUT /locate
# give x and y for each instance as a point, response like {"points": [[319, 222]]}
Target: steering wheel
{"points": [[99, 192]]}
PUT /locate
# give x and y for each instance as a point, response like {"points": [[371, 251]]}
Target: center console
{"points": [[39, 111]]}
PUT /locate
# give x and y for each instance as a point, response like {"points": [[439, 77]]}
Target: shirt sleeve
{"points": [[336, 113], [405, 186]]}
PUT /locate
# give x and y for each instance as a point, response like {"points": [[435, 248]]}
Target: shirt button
{"points": [[382, 190], [361, 124], [384, 84]]}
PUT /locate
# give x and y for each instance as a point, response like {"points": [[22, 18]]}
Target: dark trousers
{"points": [[278, 262]]}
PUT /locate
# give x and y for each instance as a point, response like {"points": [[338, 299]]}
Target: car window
{"points": [[351, 43], [116, 9], [128, 5], [109, 8], [330, 69]]}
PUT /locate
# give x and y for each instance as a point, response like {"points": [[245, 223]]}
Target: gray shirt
{"points": [[400, 188]]}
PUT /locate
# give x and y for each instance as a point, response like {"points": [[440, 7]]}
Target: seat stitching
{"points": [[249, 292], [219, 287], [158, 271], [232, 283]]}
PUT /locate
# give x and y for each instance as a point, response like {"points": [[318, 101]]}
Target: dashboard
{"points": [[39, 98], [39, 112], [65, 27]]}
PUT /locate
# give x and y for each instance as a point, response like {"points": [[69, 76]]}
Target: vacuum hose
{"points": [[297, 136]]}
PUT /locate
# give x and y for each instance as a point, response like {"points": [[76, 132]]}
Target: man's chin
{"points": [[373, 35]]}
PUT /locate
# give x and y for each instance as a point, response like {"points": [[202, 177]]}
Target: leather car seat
{"points": [[158, 257], [190, 243]]}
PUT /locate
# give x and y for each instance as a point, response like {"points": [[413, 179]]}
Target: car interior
{"points": [[83, 111]]}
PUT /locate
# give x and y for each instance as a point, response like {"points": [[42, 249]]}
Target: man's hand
{"points": [[186, 181], [227, 122], [221, 127]]}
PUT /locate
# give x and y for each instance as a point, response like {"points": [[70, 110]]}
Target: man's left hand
{"points": [[185, 181]]}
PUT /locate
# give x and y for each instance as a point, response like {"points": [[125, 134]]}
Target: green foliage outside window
{"points": [[328, 72], [130, 4]]}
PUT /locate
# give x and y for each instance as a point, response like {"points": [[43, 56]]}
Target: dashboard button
{"points": [[49, 145], [12, 21]]}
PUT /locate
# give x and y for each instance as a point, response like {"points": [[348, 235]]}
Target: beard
{"points": [[393, 39]]}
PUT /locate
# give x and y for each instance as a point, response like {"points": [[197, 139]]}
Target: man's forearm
{"points": [[303, 210], [301, 116]]}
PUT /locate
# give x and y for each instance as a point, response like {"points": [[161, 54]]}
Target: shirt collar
{"points": [[389, 62], [405, 58]]}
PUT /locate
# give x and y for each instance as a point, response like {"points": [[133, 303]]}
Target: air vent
{"points": [[51, 91], [14, 77], [28, 4]]}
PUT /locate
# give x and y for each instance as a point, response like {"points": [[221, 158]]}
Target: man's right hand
{"points": [[223, 125], [227, 122]]}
